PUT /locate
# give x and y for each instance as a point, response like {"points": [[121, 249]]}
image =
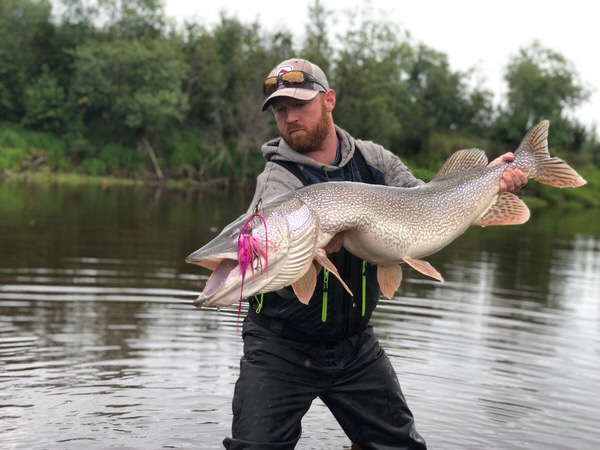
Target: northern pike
{"points": [[282, 242]]}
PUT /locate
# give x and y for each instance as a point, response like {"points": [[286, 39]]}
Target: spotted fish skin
{"points": [[383, 225]]}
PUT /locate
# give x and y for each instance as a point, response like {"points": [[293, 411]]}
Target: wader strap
{"points": [[366, 177], [294, 169], [365, 173]]}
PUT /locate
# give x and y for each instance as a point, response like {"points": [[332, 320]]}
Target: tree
{"points": [[243, 60], [370, 81], [24, 32], [542, 84], [316, 43], [45, 104], [133, 19], [131, 85], [444, 94]]}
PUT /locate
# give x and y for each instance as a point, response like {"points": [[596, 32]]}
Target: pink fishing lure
{"points": [[251, 250]]}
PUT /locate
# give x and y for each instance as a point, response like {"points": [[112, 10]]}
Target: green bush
{"points": [[185, 147], [11, 158], [13, 148], [94, 166], [441, 145], [423, 174], [45, 102], [55, 148], [11, 137], [115, 157], [18, 144], [56, 154]]}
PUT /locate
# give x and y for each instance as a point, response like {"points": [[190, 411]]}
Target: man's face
{"points": [[304, 125]]}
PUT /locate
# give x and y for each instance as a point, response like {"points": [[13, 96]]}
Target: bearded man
{"points": [[294, 353]]}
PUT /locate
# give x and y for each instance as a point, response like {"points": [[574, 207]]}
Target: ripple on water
{"points": [[100, 347]]}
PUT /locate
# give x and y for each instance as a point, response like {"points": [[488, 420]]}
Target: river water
{"points": [[101, 348]]}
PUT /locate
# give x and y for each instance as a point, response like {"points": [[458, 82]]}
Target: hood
{"points": [[278, 149]]}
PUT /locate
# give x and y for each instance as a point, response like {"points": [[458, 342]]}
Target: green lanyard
{"points": [[326, 292], [260, 298], [325, 295], [364, 288]]}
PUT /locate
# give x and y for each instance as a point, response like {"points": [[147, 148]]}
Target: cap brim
{"points": [[299, 93]]}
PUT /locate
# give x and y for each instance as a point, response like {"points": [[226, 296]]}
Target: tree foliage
{"points": [[316, 47], [370, 80], [133, 83], [542, 84], [110, 78], [25, 30]]}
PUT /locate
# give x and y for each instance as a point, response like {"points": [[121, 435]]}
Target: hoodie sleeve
{"points": [[396, 173], [393, 170], [273, 181]]}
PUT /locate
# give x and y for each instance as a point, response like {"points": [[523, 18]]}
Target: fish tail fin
{"points": [[533, 158]]}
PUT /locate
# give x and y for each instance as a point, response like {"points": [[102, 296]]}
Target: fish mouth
{"points": [[225, 285], [224, 277], [221, 258]]}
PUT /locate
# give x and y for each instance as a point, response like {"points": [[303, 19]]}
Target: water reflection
{"points": [[99, 346]]}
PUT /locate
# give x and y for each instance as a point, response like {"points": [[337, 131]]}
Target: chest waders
{"points": [[332, 313]]}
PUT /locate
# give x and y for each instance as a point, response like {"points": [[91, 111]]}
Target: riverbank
{"points": [[74, 179], [535, 195]]}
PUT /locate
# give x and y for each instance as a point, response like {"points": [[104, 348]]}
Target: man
{"points": [[294, 353]]}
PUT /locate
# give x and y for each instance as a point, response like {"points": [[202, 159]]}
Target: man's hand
{"points": [[512, 179]]}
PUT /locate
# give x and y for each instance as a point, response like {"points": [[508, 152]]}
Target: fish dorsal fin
{"points": [[507, 210], [389, 279], [321, 258], [424, 267], [305, 286], [462, 160]]}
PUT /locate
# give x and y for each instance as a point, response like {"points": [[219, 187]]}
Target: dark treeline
{"points": [[116, 87]]}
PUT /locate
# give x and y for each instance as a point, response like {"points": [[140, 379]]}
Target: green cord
{"points": [[364, 288], [260, 302], [325, 294]]}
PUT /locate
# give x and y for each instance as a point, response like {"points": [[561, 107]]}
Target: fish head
{"points": [[257, 253]]}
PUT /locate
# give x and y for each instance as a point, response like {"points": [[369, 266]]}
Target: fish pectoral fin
{"points": [[305, 286], [389, 279], [507, 210], [424, 267], [323, 260]]}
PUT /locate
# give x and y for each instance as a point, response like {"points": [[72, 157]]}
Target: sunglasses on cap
{"points": [[292, 79]]}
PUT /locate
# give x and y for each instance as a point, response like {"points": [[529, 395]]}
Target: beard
{"points": [[311, 139]]}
